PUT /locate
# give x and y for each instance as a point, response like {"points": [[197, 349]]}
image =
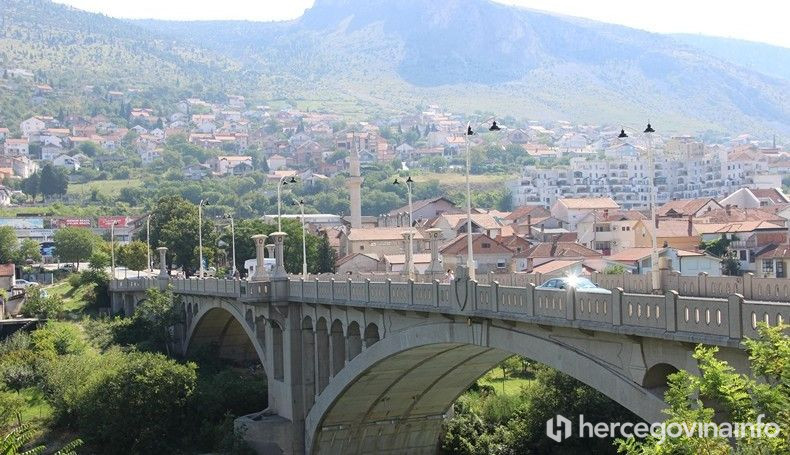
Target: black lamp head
{"points": [[396, 182], [494, 127], [649, 128], [622, 134], [469, 131], [293, 179], [409, 180]]}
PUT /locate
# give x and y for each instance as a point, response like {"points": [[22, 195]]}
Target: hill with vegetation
{"points": [[367, 58], [82, 56], [478, 55]]}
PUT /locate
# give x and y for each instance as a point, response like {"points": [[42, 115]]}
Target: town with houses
{"points": [[580, 203]]}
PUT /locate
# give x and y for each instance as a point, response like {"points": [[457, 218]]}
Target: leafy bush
{"points": [[36, 305], [132, 400], [58, 338], [75, 280]]}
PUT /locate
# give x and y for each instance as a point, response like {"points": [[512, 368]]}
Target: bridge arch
{"points": [[393, 395], [222, 324]]}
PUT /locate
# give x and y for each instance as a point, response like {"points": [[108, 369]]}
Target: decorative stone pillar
{"points": [[435, 269], [270, 251], [279, 267], [162, 261], [407, 257], [260, 267]]}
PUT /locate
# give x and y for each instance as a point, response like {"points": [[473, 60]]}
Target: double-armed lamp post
{"points": [[470, 262], [410, 256], [300, 203], [280, 185], [200, 236], [654, 270]]}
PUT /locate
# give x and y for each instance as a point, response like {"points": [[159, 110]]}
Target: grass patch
{"points": [[453, 178], [510, 385], [37, 408], [74, 300], [111, 188]]}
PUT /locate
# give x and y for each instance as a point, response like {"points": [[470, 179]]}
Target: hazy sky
{"points": [[755, 20]]}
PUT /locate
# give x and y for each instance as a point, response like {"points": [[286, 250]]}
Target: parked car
{"points": [[20, 283], [581, 284]]}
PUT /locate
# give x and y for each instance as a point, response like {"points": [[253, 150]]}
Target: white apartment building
{"points": [[626, 179]]}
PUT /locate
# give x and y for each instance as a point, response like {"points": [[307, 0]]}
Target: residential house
{"points": [[525, 214], [542, 253], [422, 210], [276, 162], [5, 196], [16, 147], [196, 171], [359, 263], [519, 245], [611, 231], [684, 208], [572, 210], [747, 198], [231, 165], [455, 224], [380, 241], [748, 239], [397, 262], [33, 126], [7, 277], [687, 263], [774, 262], [67, 162], [489, 255], [560, 268], [23, 167]]}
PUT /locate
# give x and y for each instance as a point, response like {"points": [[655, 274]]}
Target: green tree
{"points": [[739, 398], [730, 264], [32, 185], [614, 269], [716, 247], [99, 261], [134, 255], [73, 244], [327, 256], [29, 249], [53, 180], [9, 249], [174, 224]]}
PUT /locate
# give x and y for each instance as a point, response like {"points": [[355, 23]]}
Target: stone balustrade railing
{"points": [[691, 318], [702, 285]]}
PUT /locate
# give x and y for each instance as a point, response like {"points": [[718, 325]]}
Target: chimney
{"points": [[529, 225], [690, 225], [727, 209], [656, 222]]}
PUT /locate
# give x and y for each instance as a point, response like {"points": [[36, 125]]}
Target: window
{"points": [[742, 254], [780, 269], [361, 247], [768, 265], [486, 245], [501, 264]]}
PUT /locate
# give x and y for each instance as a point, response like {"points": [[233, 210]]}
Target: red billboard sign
{"points": [[106, 222]]}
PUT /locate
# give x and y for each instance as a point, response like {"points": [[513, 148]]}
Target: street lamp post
{"points": [[279, 202], [300, 203], [470, 262], [112, 247], [200, 236], [233, 244], [410, 266], [655, 272], [148, 242]]}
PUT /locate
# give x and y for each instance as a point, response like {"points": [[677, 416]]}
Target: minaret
{"points": [[355, 184]]}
